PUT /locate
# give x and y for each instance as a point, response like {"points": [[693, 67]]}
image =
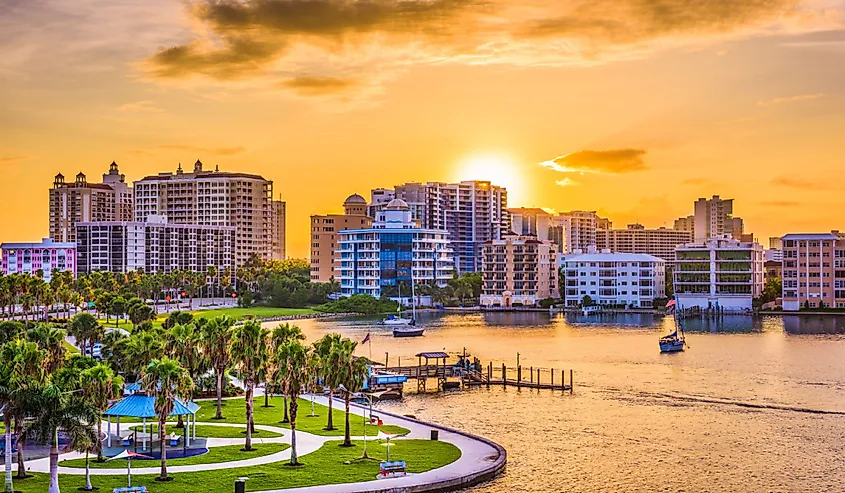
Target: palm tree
{"points": [[100, 385], [81, 442], [141, 349], [50, 340], [327, 372], [167, 380], [294, 359], [281, 335], [215, 341], [66, 410], [21, 369], [352, 374], [182, 344], [249, 353]]}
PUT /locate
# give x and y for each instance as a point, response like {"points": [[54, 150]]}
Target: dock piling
{"points": [[504, 376], [571, 381], [519, 377], [531, 375]]}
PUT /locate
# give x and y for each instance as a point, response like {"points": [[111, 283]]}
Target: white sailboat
{"points": [[410, 329], [397, 320]]}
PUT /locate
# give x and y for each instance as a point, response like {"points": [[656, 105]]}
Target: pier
{"points": [[435, 366]]}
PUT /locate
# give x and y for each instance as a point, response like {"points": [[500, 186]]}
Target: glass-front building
{"points": [[385, 259]]}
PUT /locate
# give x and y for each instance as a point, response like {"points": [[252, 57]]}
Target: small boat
{"points": [[398, 321], [672, 343], [590, 310], [408, 331]]}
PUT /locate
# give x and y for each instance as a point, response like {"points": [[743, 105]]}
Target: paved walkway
{"points": [[477, 456]]}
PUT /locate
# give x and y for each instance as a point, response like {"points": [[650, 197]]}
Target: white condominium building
{"points": [[637, 239], [383, 260], [154, 246], [718, 273], [614, 279], [214, 198], [518, 271]]}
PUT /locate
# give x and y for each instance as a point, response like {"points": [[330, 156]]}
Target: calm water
{"points": [[750, 406]]}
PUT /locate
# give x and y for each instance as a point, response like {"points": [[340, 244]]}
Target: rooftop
{"points": [[614, 257], [810, 236]]}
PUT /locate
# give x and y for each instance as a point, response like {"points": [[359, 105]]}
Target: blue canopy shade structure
{"points": [[143, 406]]}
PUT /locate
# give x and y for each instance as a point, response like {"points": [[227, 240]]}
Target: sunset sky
{"points": [[634, 108]]}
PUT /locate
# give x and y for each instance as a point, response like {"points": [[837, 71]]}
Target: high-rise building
{"points": [[813, 271], [616, 279], [718, 273], [277, 247], [213, 198], [71, 202], [518, 270], [325, 230], [714, 219], [636, 238], [471, 211], [685, 224], [386, 258], [154, 246], [531, 221], [29, 258], [576, 230]]}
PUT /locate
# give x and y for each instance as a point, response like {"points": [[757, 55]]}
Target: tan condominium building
{"points": [[813, 271], [518, 271], [530, 221], [278, 241], [73, 202], [213, 198], [660, 243], [325, 229], [576, 230]]}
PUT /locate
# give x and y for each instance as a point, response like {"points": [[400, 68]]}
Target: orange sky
{"points": [[675, 100]]}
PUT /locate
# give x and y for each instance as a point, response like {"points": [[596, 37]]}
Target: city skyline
{"points": [[635, 121]]}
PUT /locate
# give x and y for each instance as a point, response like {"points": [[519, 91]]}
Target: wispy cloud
{"points": [[566, 182], [608, 161], [220, 151], [13, 159], [140, 107], [790, 99], [780, 203], [318, 86], [802, 184]]}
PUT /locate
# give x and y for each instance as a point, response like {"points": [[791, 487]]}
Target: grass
{"points": [[208, 431], [229, 453], [234, 410], [256, 311], [70, 348], [325, 466]]}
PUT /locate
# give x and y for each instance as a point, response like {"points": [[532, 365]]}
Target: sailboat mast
{"points": [[413, 299]]}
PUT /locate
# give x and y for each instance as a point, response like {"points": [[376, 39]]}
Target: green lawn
{"points": [[207, 431], [70, 348], [325, 466], [256, 311], [229, 453], [234, 410]]}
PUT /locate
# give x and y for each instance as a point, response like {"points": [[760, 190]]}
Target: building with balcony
{"points": [[531, 221], [277, 247], [813, 271], [718, 273], [213, 198], [518, 270], [154, 246], [325, 237], [636, 238], [71, 202], [714, 219], [32, 258], [614, 279], [576, 230], [383, 260]]}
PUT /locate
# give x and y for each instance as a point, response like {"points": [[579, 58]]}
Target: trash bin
{"points": [[240, 485], [435, 435]]}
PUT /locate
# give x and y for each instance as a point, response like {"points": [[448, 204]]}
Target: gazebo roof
{"points": [[143, 406], [433, 355]]}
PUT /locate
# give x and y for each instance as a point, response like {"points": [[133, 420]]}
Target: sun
{"points": [[499, 170]]}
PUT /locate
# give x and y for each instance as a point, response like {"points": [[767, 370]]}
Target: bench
{"points": [[394, 467], [131, 489], [174, 439], [128, 439]]}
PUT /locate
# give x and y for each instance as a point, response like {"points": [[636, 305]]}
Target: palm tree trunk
{"points": [[99, 441], [286, 418], [54, 463], [19, 435], [163, 447], [219, 414], [347, 437], [87, 473], [7, 422], [330, 425], [249, 404], [294, 460]]}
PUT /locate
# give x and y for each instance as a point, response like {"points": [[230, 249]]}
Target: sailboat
{"points": [[410, 330], [673, 342], [397, 320]]}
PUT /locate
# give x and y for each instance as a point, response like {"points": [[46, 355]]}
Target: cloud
{"points": [[801, 184], [609, 161], [790, 99], [780, 203], [13, 159], [697, 181], [318, 86], [140, 107], [566, 182], [241, 39], [221, 151]]}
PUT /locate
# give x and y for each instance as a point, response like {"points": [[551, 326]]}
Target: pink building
{"points": [[30, 257], [813, 271]]}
